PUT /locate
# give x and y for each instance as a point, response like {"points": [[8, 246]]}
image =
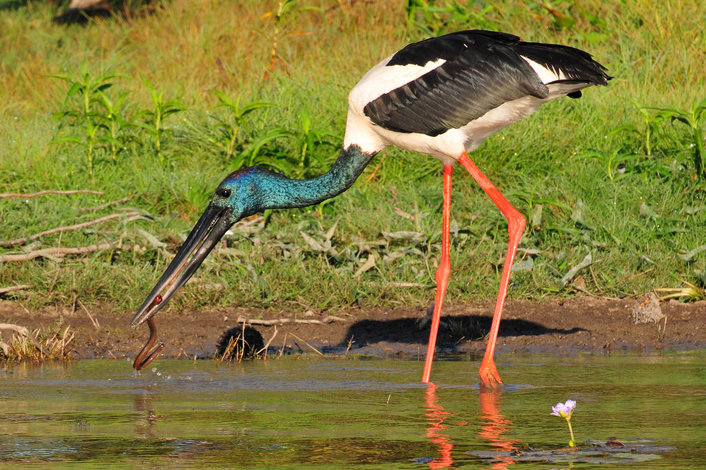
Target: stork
{"points": [[442, 96]]}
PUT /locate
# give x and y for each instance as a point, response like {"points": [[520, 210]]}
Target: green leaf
{"points": [[224, 99], [75, 88], [250, 107]]}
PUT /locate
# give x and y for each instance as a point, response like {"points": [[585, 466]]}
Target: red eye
{"points": [[158, 300]]}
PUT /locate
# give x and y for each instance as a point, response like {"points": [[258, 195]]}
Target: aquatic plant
{"points": [[565, 410]]}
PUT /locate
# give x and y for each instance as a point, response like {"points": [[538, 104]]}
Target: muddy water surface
{"points": [[632, 412]]}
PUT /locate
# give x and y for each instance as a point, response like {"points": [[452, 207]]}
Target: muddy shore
{"points": [[584, 324]]}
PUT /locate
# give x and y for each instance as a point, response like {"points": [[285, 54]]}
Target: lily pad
{"points": [[598, 452]]}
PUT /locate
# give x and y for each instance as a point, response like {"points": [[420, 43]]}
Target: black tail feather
{"points": [[575, 64]]}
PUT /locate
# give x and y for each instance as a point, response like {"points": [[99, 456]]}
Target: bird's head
{"points": [[238, 195]]}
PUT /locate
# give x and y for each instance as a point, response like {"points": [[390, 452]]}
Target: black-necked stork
{"points": [[441, 96]]}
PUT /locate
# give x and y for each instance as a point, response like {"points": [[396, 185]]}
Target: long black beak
{"points": [[210, 228]]}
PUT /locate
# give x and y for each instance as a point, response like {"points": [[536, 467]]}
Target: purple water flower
{"points": [[564, 409]]}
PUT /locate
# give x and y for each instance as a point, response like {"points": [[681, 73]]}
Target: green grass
{"points": [[188, 102]]}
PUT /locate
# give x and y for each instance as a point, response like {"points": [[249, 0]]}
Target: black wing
{"points": [[482, 71]]}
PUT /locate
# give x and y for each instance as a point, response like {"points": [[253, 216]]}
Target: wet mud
{"points": [[584, 324]]}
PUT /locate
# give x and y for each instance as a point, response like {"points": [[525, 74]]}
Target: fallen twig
{"points": [[403, 214], [6, 290], [280, 321], [16, 328], [66, 228], [350, 343], [267, 345], [96, 325], [408, 284], [312, 347], [284, 345], [49, 191], [58, 252]]}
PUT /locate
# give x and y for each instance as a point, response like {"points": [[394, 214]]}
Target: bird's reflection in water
{"points": [[147, 417], [493, 427], [435, 431]]}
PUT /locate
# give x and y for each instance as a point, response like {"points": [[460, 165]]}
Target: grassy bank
{"points": [[153, 111]]}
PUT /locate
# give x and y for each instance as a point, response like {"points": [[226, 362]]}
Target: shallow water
{"points": [[371, 413]]}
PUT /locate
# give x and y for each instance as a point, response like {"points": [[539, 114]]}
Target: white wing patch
{"points": [[379, 80], [545, 74]]}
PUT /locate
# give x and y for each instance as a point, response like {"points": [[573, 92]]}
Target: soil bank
{"points": [[583, 324]]}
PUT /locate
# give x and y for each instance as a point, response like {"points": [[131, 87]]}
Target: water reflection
{"points": [[294, 414], [435, 431], [146, 416], [492, 430], [493, 427]]}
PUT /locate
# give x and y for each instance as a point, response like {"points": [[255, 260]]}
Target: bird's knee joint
{"points": [[516, 224], [442, 274]]}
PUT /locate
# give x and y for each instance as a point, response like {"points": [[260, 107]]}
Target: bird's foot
{"points": [[489, 377]]}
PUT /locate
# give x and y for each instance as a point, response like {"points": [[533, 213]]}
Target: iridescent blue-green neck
{"points": [[279, 192]]}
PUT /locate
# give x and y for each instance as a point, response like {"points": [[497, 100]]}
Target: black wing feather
{"points": [[482, 71], [447, 47]]}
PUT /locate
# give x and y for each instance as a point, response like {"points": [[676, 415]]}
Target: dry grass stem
{"points": [[7, 290], [49, 191], [309, 345], [36, 346], [348, 348], [284, 345], [66, 228], [267, 345], [281, 321], [58, 252], [90, 317]]}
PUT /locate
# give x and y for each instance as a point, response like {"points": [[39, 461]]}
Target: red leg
{"points": [[489, 376], [442, 274]]}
